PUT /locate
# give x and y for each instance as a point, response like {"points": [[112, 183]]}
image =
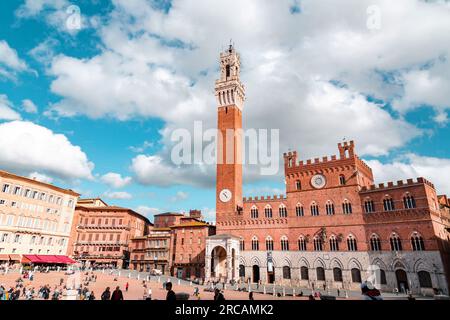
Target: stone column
{"points": [[207, 267]]}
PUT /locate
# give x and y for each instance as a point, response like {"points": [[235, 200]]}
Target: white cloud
{"points": [[40, 177], [179, 196], [29, 106], [121, 195], [147, 211], [115, 180], [154, 170], [287, 68], [436, 170], [6, 109], [9, 60], [63, 15], [28, 147]]}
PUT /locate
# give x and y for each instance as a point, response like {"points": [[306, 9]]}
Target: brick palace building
{"points": [[101, 233], [35, 220], [334, 227], [175, 245]]}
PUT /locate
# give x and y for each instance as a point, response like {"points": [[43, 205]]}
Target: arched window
{"points": [[241, 271], [314, 209], [383, 277], [255, 244], [342, 180], [268, 211], [301, 244], [337, 274], [409, 202], [228, 70], [388, 204], [417, 242], [318, 244], [282, 211], [375, 243], [369, 206], [346, 207], [284, 243], [269, 244], [424, 279], [304, 275], [334, 244], [254, 212], [329, 207], [396, 243], [286, 272], [298, 185], [242, 245], [299, 212], [356, 275], [351, 243], [320, 272]]}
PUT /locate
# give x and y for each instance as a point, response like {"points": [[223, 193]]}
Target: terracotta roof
{"points": [[191, 224], [6, 174], [113, 208], [169, 214]]}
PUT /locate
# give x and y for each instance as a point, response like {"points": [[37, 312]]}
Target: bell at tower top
{"points": [[229, 89]]}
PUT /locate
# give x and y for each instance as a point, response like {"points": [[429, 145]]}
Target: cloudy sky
{"points": [[91, 91]]}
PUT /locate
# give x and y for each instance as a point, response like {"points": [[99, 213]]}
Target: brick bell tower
{"points": [[230, 96]]}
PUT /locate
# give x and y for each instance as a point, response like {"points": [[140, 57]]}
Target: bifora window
{"points": [[254, 212], [282, 211], [268, 211], [369, 206], [299, 212], [396, 243], [329, 207], [284, 244], [388, 204], [409, 202], [337, 274], [375, 243], [269, 244], [301, 244], [346, 207], [334, 244], [351, 243], [314, 209], [255, 244], [318, 244], [298, 185], [417, 242]]}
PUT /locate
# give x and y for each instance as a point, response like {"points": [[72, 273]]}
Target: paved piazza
{"points": [[136, 289]]}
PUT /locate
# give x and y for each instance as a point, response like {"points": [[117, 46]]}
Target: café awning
{"points": [[46, 259]]}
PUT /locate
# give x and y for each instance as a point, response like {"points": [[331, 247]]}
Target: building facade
{"points": [[334, 228], [151, 253], [101, 233], [35, 218], [175, 245]]}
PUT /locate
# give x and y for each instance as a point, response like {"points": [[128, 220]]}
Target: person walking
{"points": [[117, 294], [171, 296], [92, 296], [106, 295], [250, 295], [126, 287]]}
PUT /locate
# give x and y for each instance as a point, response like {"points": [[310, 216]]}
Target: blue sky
{"points": [[135, 71]]}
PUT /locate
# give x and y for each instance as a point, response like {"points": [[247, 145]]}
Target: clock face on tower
{"points": [[225, 195], [318, 181]]}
